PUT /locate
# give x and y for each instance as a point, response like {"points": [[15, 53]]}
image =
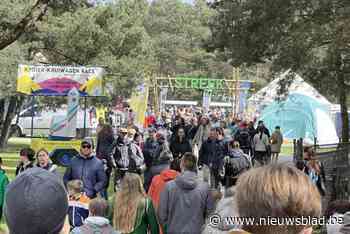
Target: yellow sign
{"points": [[50, 146], [138, 103], [101, 113]]}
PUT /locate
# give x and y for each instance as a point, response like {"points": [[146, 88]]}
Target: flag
{"points": [[138, 104]]}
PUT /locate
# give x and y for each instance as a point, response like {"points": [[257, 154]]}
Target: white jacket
{"points": [[260, 144]]}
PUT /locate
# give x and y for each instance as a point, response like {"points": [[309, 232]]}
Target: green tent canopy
{"points": [[300, 116]]}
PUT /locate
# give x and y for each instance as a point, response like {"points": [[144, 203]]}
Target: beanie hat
{"points": [[36, 203]]}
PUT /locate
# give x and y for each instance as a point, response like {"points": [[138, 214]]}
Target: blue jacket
{"points": [[78, 210], [212, 153], [90, 171], [149, 151]]}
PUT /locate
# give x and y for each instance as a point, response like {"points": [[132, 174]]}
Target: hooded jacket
{"points": [[158, 184], [95, 224], [184, 204], [89, 170]]}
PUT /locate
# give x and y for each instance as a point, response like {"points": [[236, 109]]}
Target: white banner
{"points": [[55, 80]]}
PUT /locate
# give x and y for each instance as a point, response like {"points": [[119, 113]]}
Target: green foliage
{"points": [[10, 57], [309, 37]]}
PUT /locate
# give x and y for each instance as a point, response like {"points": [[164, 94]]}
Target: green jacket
{"points": [[3, 183], [146, 218]]}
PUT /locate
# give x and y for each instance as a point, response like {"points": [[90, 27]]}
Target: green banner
{"points": [[199, 83]]}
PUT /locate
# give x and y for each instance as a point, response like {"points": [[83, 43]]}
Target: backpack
{"points": [[273, 139], [130, 156], [244, 138]]}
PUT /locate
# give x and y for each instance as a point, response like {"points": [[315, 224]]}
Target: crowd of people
{"points": [[171, 182]]}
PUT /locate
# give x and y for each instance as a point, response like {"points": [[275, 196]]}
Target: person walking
{"points": [[192, 129], [185, 202], [43, 161], [160, 161], [158, 185], [26, 160], [159, 182], [243, 137], [276, 141], [104, 149], [128, 157], [150, 147], [211, 157], [236, 162], [261, 125], [179, 146], [97, 221], [133, 211], [261, 147], [87, 168], [4, 181], [202, 132]]}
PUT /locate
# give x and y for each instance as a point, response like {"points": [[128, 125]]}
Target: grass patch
{"points": [[287, 150]]}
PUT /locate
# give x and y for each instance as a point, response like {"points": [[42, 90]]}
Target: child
{"points": [[3, 183], [27, 157], [78, 209]]}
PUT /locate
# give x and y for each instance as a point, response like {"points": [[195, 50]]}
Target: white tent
{"points": [[263, 100], [268, 94]]}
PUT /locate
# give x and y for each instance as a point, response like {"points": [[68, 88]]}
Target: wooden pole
{"points": [[236, 90]]}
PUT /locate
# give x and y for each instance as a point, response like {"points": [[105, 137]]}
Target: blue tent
{"points": [[297, 115]]}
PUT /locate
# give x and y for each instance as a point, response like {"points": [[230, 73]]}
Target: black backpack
{"points": [[244, 139]]}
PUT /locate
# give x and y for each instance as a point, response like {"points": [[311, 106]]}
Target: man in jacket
{"points": [[211, 156], [127, 155], [243, 137], [87, 168], [185, 202], [160, 160]]}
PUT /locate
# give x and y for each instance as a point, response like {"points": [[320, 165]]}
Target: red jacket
{"points": [[158, 184]]}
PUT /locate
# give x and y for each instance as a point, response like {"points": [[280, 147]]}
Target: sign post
{"points": [[162, 98], [206, 100]]}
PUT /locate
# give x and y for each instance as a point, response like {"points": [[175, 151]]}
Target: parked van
{"points": [[22, 124]]}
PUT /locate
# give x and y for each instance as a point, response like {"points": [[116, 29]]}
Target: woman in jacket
{"points": [[261, 146], [276, 143], [133, 210], [26, 160], [202, 132], [43, 161], [179, 146], [104, 148]]}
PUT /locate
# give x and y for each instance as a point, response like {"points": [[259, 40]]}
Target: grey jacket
{"points": [[225, 208], [95, 224], [184, 204]]}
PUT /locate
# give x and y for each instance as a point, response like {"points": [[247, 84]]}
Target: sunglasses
{"points": [[86, 146]]}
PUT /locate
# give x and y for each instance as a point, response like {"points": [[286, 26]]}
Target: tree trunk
{"points": [[14, 104], [343, 107], [2, 111]]}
